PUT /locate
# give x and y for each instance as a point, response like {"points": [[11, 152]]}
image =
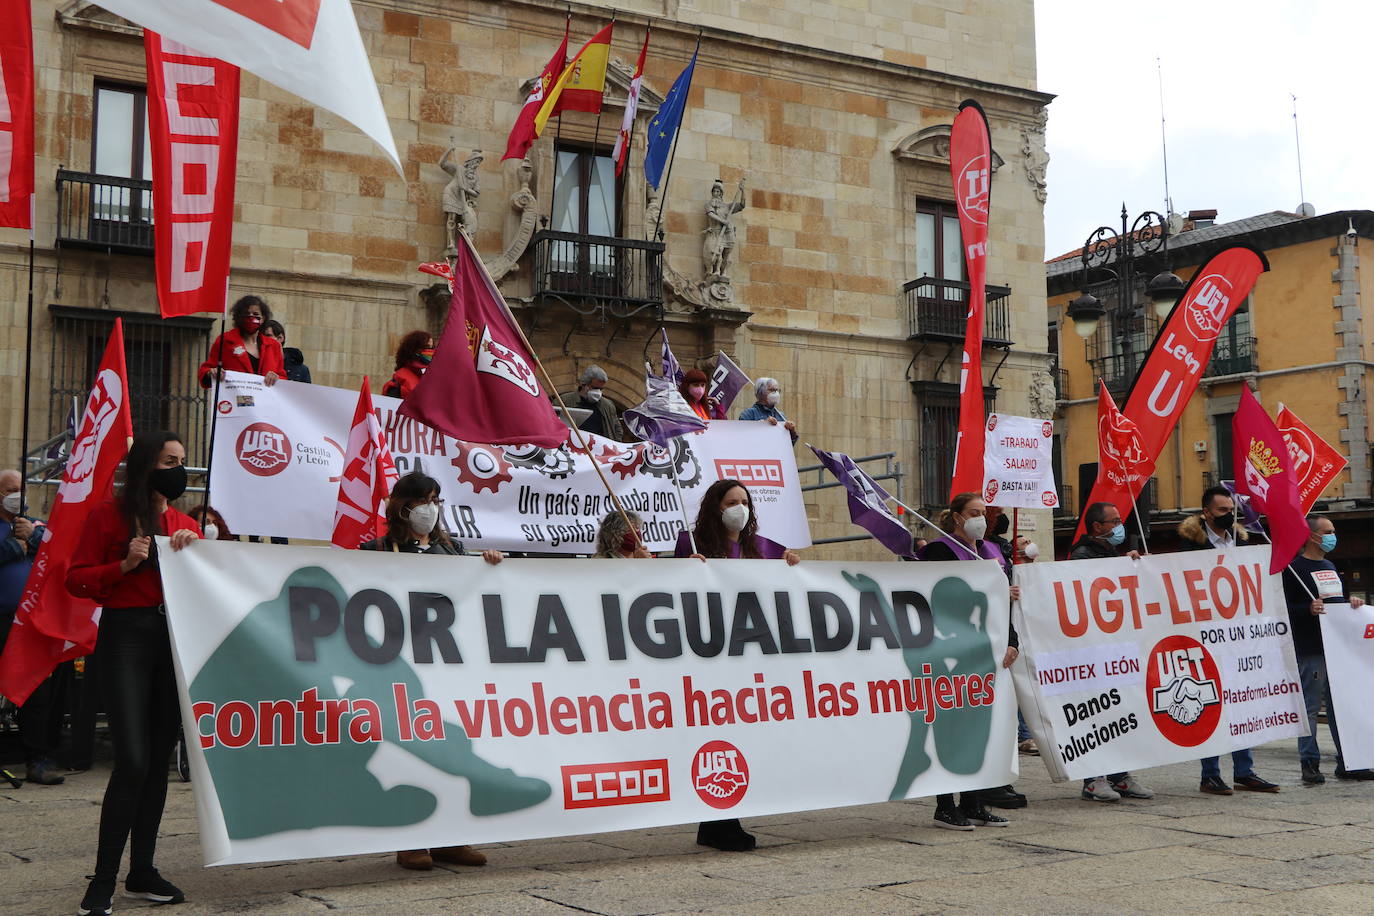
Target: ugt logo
{"points": [[1184, 688], [1208, 310], [263, 450], [974, 184], [720, 774]]}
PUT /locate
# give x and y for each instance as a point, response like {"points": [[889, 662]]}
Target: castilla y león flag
{"points": [[481, 384], [50, 625], [16, 115], [970, 166], [1178, 357], [193, 129], [369, 473], [1260, 458], [1313, 461]]}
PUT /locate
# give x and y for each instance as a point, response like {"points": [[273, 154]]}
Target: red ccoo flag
{"points": [[50, 624], [480, 386], [368, 475], [1261, 461], [16, 115], [524, 133]]}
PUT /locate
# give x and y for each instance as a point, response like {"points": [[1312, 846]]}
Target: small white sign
{"points": [[1017, 468]]}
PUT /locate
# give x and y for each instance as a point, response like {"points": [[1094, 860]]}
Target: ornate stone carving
{"points": [[526, 204], [1034, 156], [460, 197], [1041, 395], [930, 146]]}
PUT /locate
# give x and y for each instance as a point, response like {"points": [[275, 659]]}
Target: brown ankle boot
{"points": [[415, 859], [458, 855]]}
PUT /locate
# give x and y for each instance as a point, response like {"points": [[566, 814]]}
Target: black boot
{"points": [[727, 836]]}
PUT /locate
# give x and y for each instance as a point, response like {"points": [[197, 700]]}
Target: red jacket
{"points": [[402, 383], [236, 357], [94, 571]]}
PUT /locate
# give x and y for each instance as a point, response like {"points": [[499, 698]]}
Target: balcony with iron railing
{"points": [[1066, 507], [938, 310], [1061, 383], [1233, 356], [104, 212], [593, 273]]}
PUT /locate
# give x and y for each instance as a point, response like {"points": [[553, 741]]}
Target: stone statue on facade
{"points": [[719, 241], [1041, 395], [526, 207], [460, 197]]}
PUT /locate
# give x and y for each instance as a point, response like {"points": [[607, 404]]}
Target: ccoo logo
{"points": [[1183, 686], [263, 449], [720, 774]]}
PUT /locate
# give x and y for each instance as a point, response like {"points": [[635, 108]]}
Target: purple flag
{"points": [[1249, 518], [867, 502], [671, 369], [727, 381], [663, 415]]}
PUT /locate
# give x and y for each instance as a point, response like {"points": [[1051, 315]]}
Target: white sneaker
{"points": [[1130, 787], [1100, 790]]}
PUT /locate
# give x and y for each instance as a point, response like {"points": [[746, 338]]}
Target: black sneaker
{"points": [[149, 885], [727, 836], [1312, 774], [951, 819], [1214, 785], [44, 773], [982, 817], [1002, 797], [1343, 773], [99, 893]]}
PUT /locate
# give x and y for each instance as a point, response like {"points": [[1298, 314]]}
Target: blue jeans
{"points": [[1022, 733], [1242, 765], [1315, 688]]}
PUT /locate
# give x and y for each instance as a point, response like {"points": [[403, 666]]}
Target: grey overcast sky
{"points": [[1230, 68]]}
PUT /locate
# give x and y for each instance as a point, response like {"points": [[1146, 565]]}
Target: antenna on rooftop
{"points": [[1304, 208], [1164, 140]]}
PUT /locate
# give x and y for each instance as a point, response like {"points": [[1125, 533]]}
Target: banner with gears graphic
{"points": [[279, 451], [339, 703], [1128, 664]]}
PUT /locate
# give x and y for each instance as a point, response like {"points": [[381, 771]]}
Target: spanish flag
{"points": [[582, 82]]}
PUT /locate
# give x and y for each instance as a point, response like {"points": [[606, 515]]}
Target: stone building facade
{"points": [[831, 125]]}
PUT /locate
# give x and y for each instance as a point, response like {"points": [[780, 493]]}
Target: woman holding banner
{"points": [[412, 518], [242, 348], [115, 564], [727, 529], [616, 540], [965, 526], [693, 389], [413, 354]]}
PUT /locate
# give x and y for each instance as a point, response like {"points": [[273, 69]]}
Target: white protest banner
{"points": [[1348, 643], [279, 452], [341, 702], [1127, 664], [1018, 472]]}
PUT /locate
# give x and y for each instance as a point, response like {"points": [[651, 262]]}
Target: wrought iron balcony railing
{"points": [[1233, 356], [1061, 384], [1066, 507], [593, 272], [1117, 370], [104, 212], [938, 310]]}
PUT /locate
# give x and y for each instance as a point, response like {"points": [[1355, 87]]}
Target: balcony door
{"points": [[586, 203], [120, 150]]}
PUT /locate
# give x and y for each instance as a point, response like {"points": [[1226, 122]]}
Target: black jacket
{"points": [[1091, 548], [296, 369]]}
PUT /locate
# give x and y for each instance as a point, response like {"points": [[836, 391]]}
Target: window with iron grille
{"points": [[162, 356], [1222, 441], [939, 403]]}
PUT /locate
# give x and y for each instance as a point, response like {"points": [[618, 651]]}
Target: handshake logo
{"points": [[1184, 699], [1184, 687], [720, 774]]}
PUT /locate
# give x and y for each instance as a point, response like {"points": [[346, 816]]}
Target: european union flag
{"points": [[664, 126]]}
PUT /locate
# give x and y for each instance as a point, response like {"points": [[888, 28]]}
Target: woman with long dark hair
{"points": [[693, 388], [413, 354], [115, 564], [727, 528], [412, 518], [244, 348]]}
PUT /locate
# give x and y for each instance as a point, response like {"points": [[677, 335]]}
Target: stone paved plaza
{"points": [[1308, 850]]}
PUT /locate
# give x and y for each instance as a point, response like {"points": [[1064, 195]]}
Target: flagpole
{"points": [[686, 525], [596, 131], [1289, 567], [672, 153], [1140, 526], [214, 399], [28, 360]]}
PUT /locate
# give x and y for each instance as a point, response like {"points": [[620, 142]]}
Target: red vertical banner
{"points": [[970, 166], [369, 473], [193, 127], [16, 115], [1180, 354]]}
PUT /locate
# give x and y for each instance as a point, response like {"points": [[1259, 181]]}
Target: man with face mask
{"points": [[1104, 533], [40, 718], [767, 393], [1312, 573], [1215, 528], [591, 395]]}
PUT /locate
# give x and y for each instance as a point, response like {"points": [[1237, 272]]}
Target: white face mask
{"points": [[976, 527], [593, 395], [211, 532], [423, 518], [735, 517], [13, 502], [774, 397], [1032, 551]]}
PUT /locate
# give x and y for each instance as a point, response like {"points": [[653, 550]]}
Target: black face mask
{"points": [[1225, 522], [170, 482]]}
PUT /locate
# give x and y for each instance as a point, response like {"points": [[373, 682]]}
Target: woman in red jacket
{"points": [[242, 348], [412, 359], [115, 564]]}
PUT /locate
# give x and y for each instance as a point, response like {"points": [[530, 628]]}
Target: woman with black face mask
{"points": [[242, 348], [115, 564]]}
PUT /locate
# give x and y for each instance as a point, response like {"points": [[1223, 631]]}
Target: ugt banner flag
{"points": [[1260, 457], [1121, 457], [369, 473], [193, 129], [50, 624], [16, 115], [308, 47], [1314, 461]]}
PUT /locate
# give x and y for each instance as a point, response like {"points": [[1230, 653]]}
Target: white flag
{"points": [[309, 47]]}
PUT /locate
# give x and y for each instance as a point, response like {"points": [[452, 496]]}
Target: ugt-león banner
{"points": [[1128, 664], [279, 452], [340, 703], [1348, 644]]}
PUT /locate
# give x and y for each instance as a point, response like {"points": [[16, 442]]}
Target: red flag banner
{"points": [[368, 475], [50, 625], [524, 133], [1121, 454], [1180, 354], [970, 166], [1314, 461], [481, 386], [1261, 461], [193, 129], [582, 84], [627, 124], [16, 115]]}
